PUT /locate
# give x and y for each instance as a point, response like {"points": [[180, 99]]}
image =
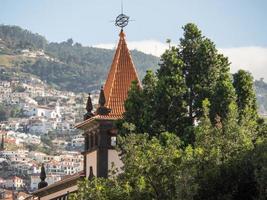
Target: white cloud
{"points": [[153, 47], [253, 59]]}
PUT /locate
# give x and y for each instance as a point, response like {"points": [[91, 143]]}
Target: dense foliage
{"points": [[18, 38], [191, 132], [8, 111], [70, 65], [188, 74], [161, 168]]}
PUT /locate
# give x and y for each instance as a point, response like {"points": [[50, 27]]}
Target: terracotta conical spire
{"points": [[42, 183], [120, 77]]}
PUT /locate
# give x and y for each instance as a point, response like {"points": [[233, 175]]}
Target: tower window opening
{"points": [[113, 141]]}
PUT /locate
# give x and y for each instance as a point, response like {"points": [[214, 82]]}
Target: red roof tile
{"points": [[122, 73]]}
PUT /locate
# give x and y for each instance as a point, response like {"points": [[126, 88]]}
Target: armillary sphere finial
{"points": [[122, 20]]}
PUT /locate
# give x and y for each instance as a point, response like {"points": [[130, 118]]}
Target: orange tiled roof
{"points": [[122, 73]]}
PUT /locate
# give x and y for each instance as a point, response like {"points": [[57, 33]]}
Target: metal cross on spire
{"points": [[122, 20]]}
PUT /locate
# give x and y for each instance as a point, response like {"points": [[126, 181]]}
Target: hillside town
{"points": [[38, 129], [78, 122]]}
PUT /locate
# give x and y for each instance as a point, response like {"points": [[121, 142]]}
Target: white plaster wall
{"points": [[113, 156], [91, 160]]}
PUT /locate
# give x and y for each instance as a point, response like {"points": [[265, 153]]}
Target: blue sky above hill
{"points": [[230, 23], [238, 27]]}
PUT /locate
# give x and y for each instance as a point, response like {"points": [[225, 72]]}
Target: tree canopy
{"points": [[191, 132], [188, 74]]}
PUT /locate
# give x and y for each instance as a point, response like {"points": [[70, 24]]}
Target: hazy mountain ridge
{"points": [[261, 92], [66, 65]]}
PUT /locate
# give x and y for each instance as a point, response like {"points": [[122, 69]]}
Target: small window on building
{"points": [[113, 140]]}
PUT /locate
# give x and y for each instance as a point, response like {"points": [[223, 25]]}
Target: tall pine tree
{"points": [[172, 100], [246, 97]]}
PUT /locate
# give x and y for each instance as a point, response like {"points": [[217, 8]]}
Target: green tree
{"points": [[47, 140], [168, 41], [159, 163], [19, 88], [203, 67], [225, 167], [70, 41], [159, 105], [209, 154], [101, 189], [223, 164], [170, 107], [241, 177], [246, 97], [135, 105], [247, 103], [3, 113], [161, 170], [224, 95], [140, 104], [187, 75]]}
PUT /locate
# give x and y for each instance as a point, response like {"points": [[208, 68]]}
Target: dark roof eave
{"points": [[50, 188], [92, 120]]}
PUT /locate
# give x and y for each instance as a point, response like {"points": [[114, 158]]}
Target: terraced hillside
{"points": [[66, 65]]}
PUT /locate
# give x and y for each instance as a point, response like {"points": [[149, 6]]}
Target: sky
{"points": [[238, 27]]}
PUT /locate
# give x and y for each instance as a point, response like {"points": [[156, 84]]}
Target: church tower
{"points": [[99, 127]]}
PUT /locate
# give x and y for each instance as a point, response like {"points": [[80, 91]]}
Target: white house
{"points": [[42, 126], [60, 143], [18, 156], [40, 157], [54, 167], [14, 181], [5, 84], [77, 142], [42, 111]]}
